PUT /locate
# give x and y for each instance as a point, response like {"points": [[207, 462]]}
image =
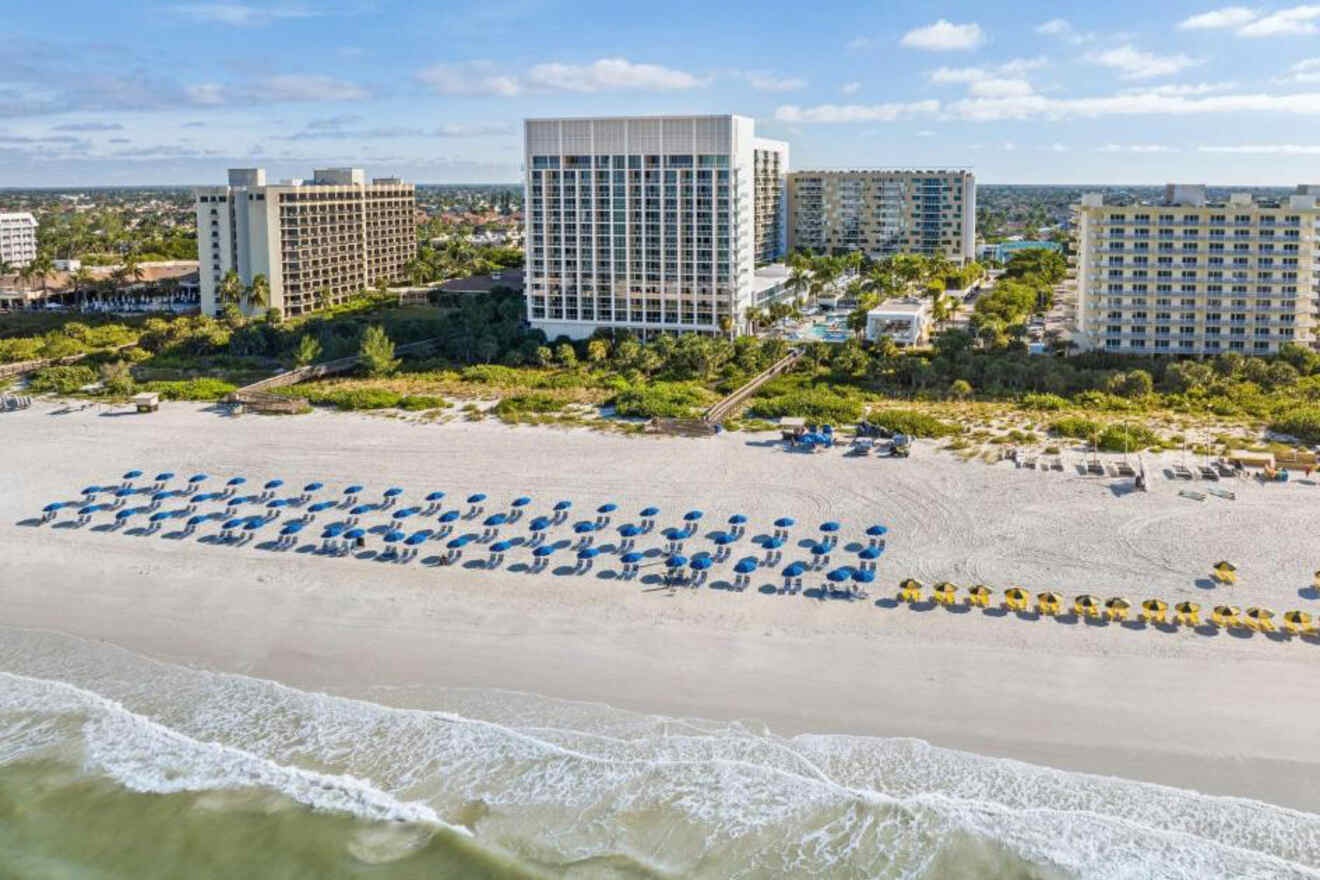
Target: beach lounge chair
{"points": [[1124, 469], [1192, 495], [1183, 472], [1208, 473]]}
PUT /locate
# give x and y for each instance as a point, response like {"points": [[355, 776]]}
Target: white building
{"points": [[906, 322], [18, 238], [1190, 276], [317, 242], [648, 223]]}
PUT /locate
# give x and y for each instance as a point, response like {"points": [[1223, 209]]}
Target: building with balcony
{"points": [[317, 242], [1189, 276], [648, 223], [883, 212], [18, 238], [906, 322]]}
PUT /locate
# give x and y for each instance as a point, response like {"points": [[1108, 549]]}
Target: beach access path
{"points": [[1227, 713]]}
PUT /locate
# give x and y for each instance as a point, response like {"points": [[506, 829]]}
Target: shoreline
{"points": [[1217, 714]]}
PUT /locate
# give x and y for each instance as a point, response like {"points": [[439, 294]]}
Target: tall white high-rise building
{"points": [[18, 238], [317, 242], [1192, 276], [649, 223]]}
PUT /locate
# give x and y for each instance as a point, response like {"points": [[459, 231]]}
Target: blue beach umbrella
{"points": [[737, 519], [589, 553], [354, 534], [839, 575], [649, 512], [477, 498], [334, 530], [53, 506], [436, 496], [198, 478], [863, 576], [199, 519], [784, 522], [207, 496], [501, 547], [361, 509], [320, 506], [746, 566], [273, 484], [90, 490], [544, 551], [460, 541], [522, 502], [628, 530], [312, 487], [673, 534], [676, 561], [164, 475], [632, 558], [124, 493], [584, 527], [234, 523], [562, 505], [278, 502], [495, 519], [353, 490], [393, 492], [819, 550], [90, 509], [692, 515], [794, 570], [236, 481], [406, 512], [700, 563], [252, 525], [877, 531], [448, 516], [393, 536], [417, 538], [722, 538], [607, 508], [132, 475], [869, 553], [292, 528], [162, 516], [125, 514], [242, 499], [830, 526], [540, 524], [772, 543]]}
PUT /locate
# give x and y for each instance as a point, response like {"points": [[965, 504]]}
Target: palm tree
{"points": [[81, 279], [258, 292], [231, 289], [131, 267], [41, 267], [753, 316]]}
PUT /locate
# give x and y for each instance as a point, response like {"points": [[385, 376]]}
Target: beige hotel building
{"points": [[1190, 276], [318, 242]]}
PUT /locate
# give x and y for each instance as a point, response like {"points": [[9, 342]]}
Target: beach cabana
{"points": [[1118, 607], [1154, 610], [909, 590], [1048, 602], [1225, 572], [945, 593], [1296, 622], [1086, 605], [1225, 615], [1260, 619], [979, 595], [1016, 599], [1187, 613]]}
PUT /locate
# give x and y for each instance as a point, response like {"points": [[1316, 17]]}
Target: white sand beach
{"points": [[1222, 713]]}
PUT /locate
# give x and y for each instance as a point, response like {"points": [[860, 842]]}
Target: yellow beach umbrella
{"points": [[945, 593], [1154, 610], [1048, 602], [1225, 615], [1260, 619], [910, 590], [1118, 607], [1189, 613], [1225, 565], [1087, 605], [1225, 572], [979, 595], [1016, 598], [1317, 580], [1296, 621]]}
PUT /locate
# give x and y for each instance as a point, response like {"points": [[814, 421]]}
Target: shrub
{"points": [[1302, 423], [377, 352], [1044, 402], [354, 398], [1075, 426], [916, 424], [1127, 438], [520, 404], [420, 402], [191, 389], [816, 404], [61, 380], [117, 377], [672, 400]]}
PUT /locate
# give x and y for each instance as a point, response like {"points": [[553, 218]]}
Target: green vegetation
{"points": [[819, 404], [190, 389], [1303, 423], [377, 352], [674, 400], [1075, 426], [61, 380], [915, 423], [521, 404], [1126, 438]]}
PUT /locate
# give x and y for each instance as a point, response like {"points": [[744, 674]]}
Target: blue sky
{"points": [[1116, 92]]}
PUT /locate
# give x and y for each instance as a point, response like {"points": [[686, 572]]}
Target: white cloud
{"points": [[1131, 104], [1183, 88], [1137, 148], [1307, 71], [1012, 69], [607, 74], [764, 81], [1267, 149], [1063, 30], [308, 87], [237, 14], [925, 133], [1008, 146], [1132, 63], [1058, 148], [856, 112], [1296, 21], [850, 88], [944, 36], [472, 129], [1000, 88], [1228, 17]]}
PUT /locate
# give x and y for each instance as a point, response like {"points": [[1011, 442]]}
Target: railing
{"points": [[728, 405]]}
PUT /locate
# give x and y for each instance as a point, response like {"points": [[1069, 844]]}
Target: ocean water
{"points": [[113, 765]]}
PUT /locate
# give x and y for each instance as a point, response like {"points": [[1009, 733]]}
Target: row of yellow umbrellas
{"points": [[1115, 607]]}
